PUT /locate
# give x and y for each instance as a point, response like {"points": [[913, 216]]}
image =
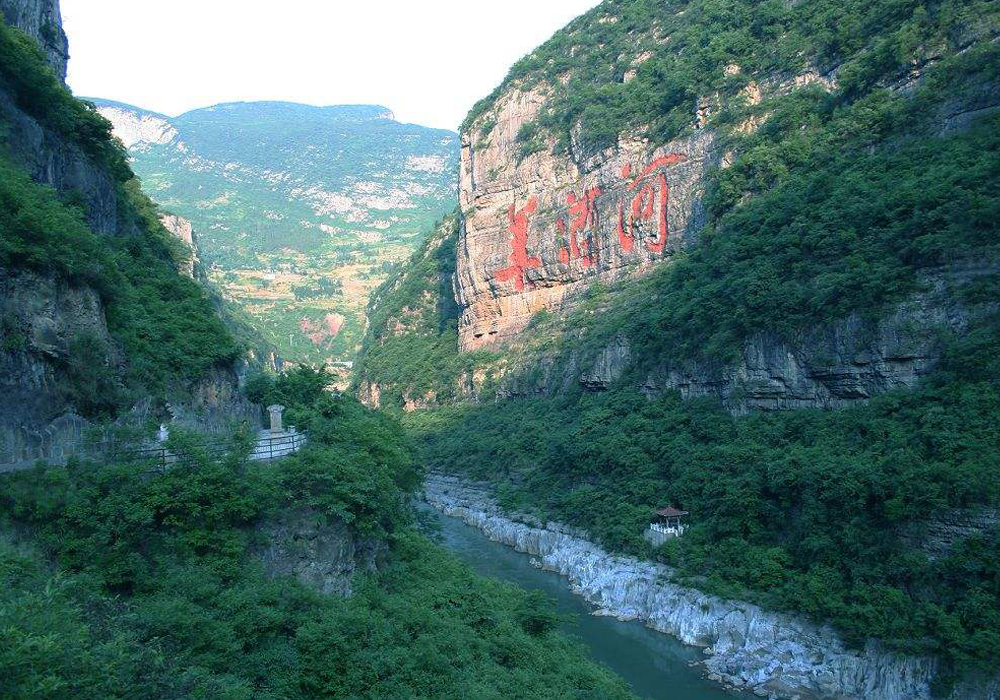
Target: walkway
{"points": [[270, 445]]}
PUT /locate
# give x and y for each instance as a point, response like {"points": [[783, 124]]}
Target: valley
{"points": [[674, 372], [299, 212]]}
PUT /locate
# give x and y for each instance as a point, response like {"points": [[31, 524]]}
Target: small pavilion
{"points": [[667, 525]]}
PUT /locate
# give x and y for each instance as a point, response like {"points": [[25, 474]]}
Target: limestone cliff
{"points": [[41, 20], [547, 215], [320, 554], [57, 354], [540, 229], [182, 230], [832, 365]]}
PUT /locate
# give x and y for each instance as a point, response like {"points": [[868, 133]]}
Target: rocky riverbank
{"points": [[771, 654]]}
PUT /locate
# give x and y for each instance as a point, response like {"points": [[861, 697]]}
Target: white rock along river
{"points": [[655, 665], [741, 645]]}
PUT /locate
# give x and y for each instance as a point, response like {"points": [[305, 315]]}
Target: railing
{"points": [[280, 445], [667, 530]]}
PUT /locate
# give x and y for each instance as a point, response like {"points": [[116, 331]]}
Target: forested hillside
{"points": [[834, 248], [119, 582], [300, 211]]}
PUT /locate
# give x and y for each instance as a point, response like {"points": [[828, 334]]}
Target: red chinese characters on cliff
{"points": [[642, 213], [518, 220], [583, 215], [650, 198]]}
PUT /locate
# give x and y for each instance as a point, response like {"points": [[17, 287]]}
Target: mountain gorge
{"points": [[299, 211], [203, 571], [731, 263], [741, 258]]}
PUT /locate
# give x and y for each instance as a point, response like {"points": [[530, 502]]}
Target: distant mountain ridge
{"points": [[300, 210]]}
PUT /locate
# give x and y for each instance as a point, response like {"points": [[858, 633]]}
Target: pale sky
{"points": [[427, 61]]}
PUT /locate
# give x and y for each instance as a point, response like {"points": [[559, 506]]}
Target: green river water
{"points": [[655, 665]]}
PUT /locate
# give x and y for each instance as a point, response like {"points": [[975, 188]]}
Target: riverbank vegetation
{"points": [[118, 581], [809, 511]]}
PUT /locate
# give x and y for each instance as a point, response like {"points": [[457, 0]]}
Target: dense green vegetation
{"points": [[843, 231], [689, 43], [411, 347], [839, 201], [836, 203], [43, 233], [37, 90], [165, 323], [803, 510], [121, 582], [799, 510]]}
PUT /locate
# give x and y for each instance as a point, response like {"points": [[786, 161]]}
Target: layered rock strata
{"points": [[831, 365], [771, 654]]}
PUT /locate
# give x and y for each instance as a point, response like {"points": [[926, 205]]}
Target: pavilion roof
{"points": [[671, 512]]}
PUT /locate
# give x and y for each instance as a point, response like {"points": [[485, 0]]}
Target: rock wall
{"points": [[838, 363], [543, 220], [181, 229], [539, 228], [47, 156], [322, 555], [771, 654], [41, 20], [40, 316], [830, 366], [938, 535]]}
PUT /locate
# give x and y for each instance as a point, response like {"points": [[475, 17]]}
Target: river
{"points": [[654, 664]]}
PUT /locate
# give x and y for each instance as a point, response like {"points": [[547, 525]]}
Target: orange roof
{"points": [[671, 512]]}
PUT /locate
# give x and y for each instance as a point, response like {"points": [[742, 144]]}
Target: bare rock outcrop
{"points": [[539, 228], [40, 319], [182, 230], [41, 20], [772, 654], [321, 554]]}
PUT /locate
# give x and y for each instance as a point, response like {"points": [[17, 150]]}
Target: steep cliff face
{"points": [[41, 20], [831, 365], [52, 159], [78, 308], [539, 229], [559, 193], [45, 321], [181, 229]]}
